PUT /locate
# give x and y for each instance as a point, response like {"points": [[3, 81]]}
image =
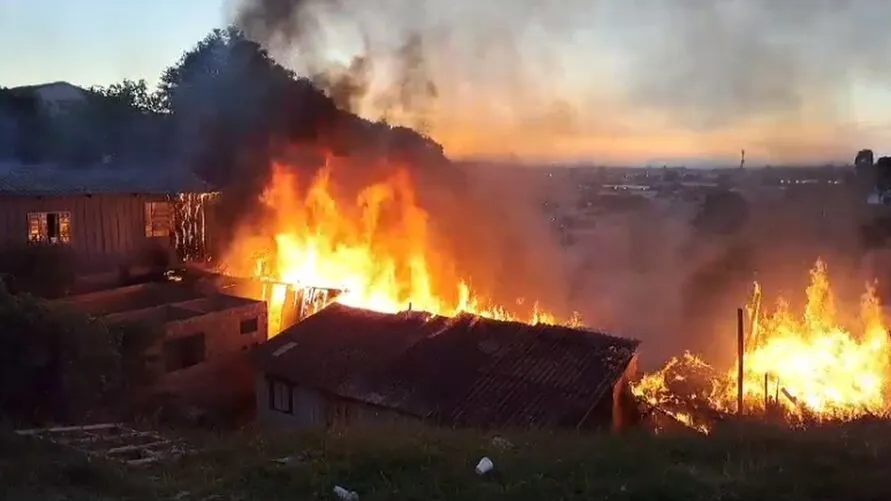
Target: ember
{"points": [[807, 368], [378, 250]]}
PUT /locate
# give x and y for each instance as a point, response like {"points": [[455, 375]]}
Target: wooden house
{"points": [[111, 217]]}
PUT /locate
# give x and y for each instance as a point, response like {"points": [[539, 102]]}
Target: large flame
{"points": [[805, 368], [378, 249]]}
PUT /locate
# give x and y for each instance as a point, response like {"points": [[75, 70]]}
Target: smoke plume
{"points": [[619, 81]]}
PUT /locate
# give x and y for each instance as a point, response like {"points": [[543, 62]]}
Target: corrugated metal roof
{"points": [[54, 180], [338, 345], [465, 371], [552, 381]]}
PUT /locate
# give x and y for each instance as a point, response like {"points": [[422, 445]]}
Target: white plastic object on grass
{"points": [[344, 494], [484, 466]]}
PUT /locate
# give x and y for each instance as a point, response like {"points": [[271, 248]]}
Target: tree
{"points": [[26, 123], [228, 98], [131, 98], [125, 122], [62, 366]]}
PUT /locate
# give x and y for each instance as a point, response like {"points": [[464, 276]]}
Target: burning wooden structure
{"points": [[797, 369], [286, 303]]}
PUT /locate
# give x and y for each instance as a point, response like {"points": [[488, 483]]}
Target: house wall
{"points": [[311, 408], [617, 410], [625, 413], [225, 374], [106, 230]]}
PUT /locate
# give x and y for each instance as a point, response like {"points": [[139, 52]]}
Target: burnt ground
{"points": [[851, 462]]}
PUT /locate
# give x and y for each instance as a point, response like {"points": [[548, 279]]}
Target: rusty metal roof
{"points": [[337, 345], [551, 380], [465, 371], [47, 180]]}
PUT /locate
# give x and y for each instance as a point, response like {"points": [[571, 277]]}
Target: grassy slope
{"points": [[850, 463]]}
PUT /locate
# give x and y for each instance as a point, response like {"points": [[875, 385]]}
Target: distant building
{"points": [[112, 217], [55, 96], [350, 367]]}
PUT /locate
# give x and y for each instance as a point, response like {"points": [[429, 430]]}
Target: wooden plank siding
{"points": [[107, 231]]}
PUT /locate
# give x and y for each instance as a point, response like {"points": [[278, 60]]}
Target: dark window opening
{"points": [[281, 396], [184, 352], [250, 326]]}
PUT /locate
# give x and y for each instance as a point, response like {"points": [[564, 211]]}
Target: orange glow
{"points": [[377, 249], [815, 369]]}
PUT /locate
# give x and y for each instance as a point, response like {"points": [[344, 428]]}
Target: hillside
{"points": [[850, 462]]}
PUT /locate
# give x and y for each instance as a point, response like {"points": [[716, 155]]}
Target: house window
{"points": [[249, 326], [281, 396], [158, 219], [184, 352], [49, 227]]}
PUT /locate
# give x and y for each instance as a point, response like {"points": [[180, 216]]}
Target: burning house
{"points": [[349, 366], [205, 337], [113, 219], [286, 303]]}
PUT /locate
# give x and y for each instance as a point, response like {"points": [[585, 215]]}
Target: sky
{"points": [[98, 42], [572, 80]]}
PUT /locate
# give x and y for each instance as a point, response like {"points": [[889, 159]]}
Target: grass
{"points": [[851, 462]]}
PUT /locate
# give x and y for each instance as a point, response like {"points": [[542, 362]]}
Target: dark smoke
{"points": [[295, 27], [287, 21], [771, 76]]}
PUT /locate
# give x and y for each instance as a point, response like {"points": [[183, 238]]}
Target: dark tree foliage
{"points": [[233, 103], [44, 270], [864, 157], [121, 122], [26, 126], [63, 366]]}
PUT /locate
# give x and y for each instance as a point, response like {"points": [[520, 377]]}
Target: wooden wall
{"points": [[106, 230]]}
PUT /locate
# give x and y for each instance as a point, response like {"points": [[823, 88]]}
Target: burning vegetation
{"points": [[377, 251], [799, 368]]}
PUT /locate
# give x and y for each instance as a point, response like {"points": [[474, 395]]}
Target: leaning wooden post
{"points": [[740, 354], [766, 395]]}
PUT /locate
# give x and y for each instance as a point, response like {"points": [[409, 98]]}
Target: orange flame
{"points": [[808, 368], [378, 250]]}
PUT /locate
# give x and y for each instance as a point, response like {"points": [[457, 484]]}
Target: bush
{"points": [[61, 366], [42, 269]]}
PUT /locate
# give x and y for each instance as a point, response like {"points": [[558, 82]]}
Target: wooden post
{"points": [[766, 396], [740, 354]]}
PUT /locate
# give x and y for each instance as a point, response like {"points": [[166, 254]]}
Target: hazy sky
{"points": [[611, 80]]}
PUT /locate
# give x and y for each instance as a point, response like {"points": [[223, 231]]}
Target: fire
{"points": [[378, 250], [805, 368]]}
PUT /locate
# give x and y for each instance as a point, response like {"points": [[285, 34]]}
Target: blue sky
{"points": [[89, 42]]}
